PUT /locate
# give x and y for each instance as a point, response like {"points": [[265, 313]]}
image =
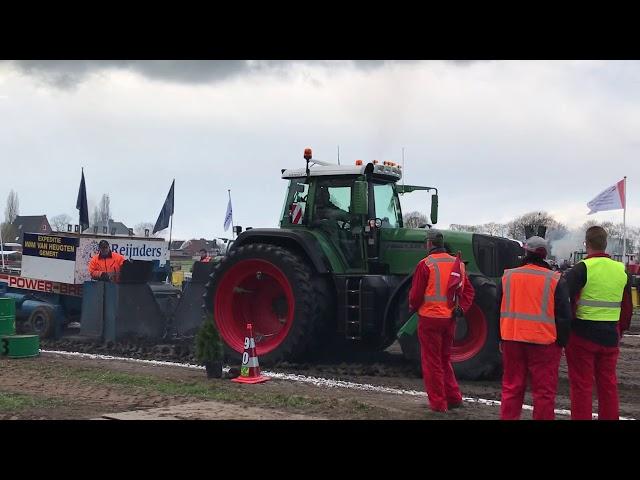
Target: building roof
{"points": [[121, 228], [29, 224]]}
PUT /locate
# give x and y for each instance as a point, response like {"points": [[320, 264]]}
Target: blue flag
{"points": [[228, 217], [81, 205], [166, 212]]}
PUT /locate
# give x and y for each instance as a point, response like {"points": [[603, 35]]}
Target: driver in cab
{"points": [[326, 210]]}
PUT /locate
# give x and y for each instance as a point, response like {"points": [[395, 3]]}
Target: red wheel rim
{"points": [[254, 291], [475, 338]]}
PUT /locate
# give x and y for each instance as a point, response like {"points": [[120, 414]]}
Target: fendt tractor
{"points": [[337, 273]]}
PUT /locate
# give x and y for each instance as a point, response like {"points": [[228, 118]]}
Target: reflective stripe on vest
{"points": [[435, 300], [529, 317], [601, 296], [438, 297]]}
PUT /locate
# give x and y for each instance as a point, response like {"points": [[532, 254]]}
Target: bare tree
{"points": [[7, 231], [464, 228], [414, 219], [140, 227], [555, 229], [59, 222], [104, 209], [492, 228], [95, 216], [12, 210]]}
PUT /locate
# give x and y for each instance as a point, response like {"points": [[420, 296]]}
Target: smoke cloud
{"points": [[565, 246]]}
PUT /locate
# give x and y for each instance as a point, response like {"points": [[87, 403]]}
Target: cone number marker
{"points": [[250, 369]]}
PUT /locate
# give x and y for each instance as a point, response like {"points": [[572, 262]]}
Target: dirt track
{"points": [[57, 387]]}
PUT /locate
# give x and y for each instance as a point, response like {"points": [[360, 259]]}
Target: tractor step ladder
{"points": [[353, 312]]}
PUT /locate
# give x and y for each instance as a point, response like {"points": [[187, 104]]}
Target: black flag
{"points": [[81, 204], [166, 212]]}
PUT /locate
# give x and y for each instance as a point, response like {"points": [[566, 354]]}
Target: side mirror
{"points": [[434, 209], [360, 198]]}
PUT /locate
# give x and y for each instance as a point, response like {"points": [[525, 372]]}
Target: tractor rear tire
{"points": [[279, 293], [476, 356]]}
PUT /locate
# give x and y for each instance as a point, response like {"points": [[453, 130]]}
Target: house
{"points": [[113, 228], [29, 224], [217, 246]]}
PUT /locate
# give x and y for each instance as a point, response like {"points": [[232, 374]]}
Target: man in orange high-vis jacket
{"points": [[105, 265], [436, 326], [535, 319]]}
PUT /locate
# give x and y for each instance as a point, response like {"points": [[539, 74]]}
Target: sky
{"points": [[497, 138]]}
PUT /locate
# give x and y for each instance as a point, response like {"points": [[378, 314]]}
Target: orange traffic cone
{"points": [[250, 370]]}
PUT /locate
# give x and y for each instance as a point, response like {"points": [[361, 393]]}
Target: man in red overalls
{"points": [[432, 299], [534, 326]]}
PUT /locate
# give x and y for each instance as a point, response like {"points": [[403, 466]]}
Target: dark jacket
{"points": [[606, 334], [562, 307]]}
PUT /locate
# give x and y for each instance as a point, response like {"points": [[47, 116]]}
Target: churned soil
{"points": [[53, 386]]}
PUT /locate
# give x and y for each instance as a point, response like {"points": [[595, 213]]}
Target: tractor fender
{"points": [[301, 241]]}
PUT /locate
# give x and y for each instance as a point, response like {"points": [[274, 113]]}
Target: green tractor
{"points": [[337, 273]]}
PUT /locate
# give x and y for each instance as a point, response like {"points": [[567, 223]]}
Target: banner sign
{"points": [[130, 248], [50, 246], [49, 257], [45, 286]]}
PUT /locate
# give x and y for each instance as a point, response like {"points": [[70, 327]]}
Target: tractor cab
{"points": [[353, 207]]}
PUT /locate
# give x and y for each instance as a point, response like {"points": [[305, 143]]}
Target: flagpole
{"points": [[170, 278], [233, 230], [624, 224]]}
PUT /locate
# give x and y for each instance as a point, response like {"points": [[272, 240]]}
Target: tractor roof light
{"points": [[307, 154]]}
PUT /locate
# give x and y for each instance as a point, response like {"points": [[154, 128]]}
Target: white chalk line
{"points": [[317, 381]]}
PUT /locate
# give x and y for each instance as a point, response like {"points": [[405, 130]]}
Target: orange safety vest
{"points": [[527, 311], [435, 295], [111, 264]]}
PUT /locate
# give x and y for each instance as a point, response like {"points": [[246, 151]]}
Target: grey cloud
{"points": [[68, 74]]}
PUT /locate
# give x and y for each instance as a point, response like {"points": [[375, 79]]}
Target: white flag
{"points": [[228, 218], [612, 198]]}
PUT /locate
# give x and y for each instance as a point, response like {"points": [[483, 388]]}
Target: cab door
{"points": [[333, 216]]}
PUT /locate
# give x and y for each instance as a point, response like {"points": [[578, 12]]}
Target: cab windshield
{"points": [[386, 205]]}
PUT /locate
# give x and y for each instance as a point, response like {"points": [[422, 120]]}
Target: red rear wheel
{"points": [[471, 335], [254, 291], [277, 291]]}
